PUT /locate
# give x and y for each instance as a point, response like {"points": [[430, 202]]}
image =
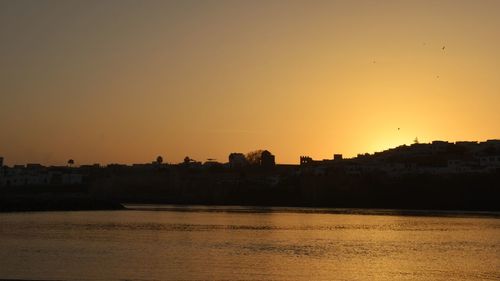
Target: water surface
{"points": [[190, 244]]}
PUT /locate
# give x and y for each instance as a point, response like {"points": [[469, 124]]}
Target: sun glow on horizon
{"points": [[125, 81]]}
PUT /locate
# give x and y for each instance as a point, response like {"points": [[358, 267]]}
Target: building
{"points": [[490, 161], [267, 159], [306, 160], [37, 175]]}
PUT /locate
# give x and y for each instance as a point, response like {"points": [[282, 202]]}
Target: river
{"points": [[210, 243]]}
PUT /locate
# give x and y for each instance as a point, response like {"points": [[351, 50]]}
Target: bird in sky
{"points": [[444, 47]]}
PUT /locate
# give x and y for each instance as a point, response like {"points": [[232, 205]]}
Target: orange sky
{"points": [[125, 81]]}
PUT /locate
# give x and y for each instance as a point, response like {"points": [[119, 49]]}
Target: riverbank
{"points": [[56, 203], [309, 210]]}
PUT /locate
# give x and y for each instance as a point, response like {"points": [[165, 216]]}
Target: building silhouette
{"points": [[267, 159], [305, 160]]}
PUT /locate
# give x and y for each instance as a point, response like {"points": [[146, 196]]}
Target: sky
{"points": [[126, 81]]}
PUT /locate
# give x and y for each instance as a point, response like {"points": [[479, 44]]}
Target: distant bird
{"points": [[444, 47], [374, 61], [398, 129], [437, 76]]}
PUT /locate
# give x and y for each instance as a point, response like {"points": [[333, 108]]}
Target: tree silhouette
{"points": [[159, 159], [71, 162], [254, 157]]}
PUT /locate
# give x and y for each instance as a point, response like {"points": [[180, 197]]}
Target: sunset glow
{"points": [[125, 81]]}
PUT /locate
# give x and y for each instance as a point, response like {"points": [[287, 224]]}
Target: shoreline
{"points": [[310, 210], [57, 203]]}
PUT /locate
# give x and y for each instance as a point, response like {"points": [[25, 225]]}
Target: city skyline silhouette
{"points": [[249, 140]]}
